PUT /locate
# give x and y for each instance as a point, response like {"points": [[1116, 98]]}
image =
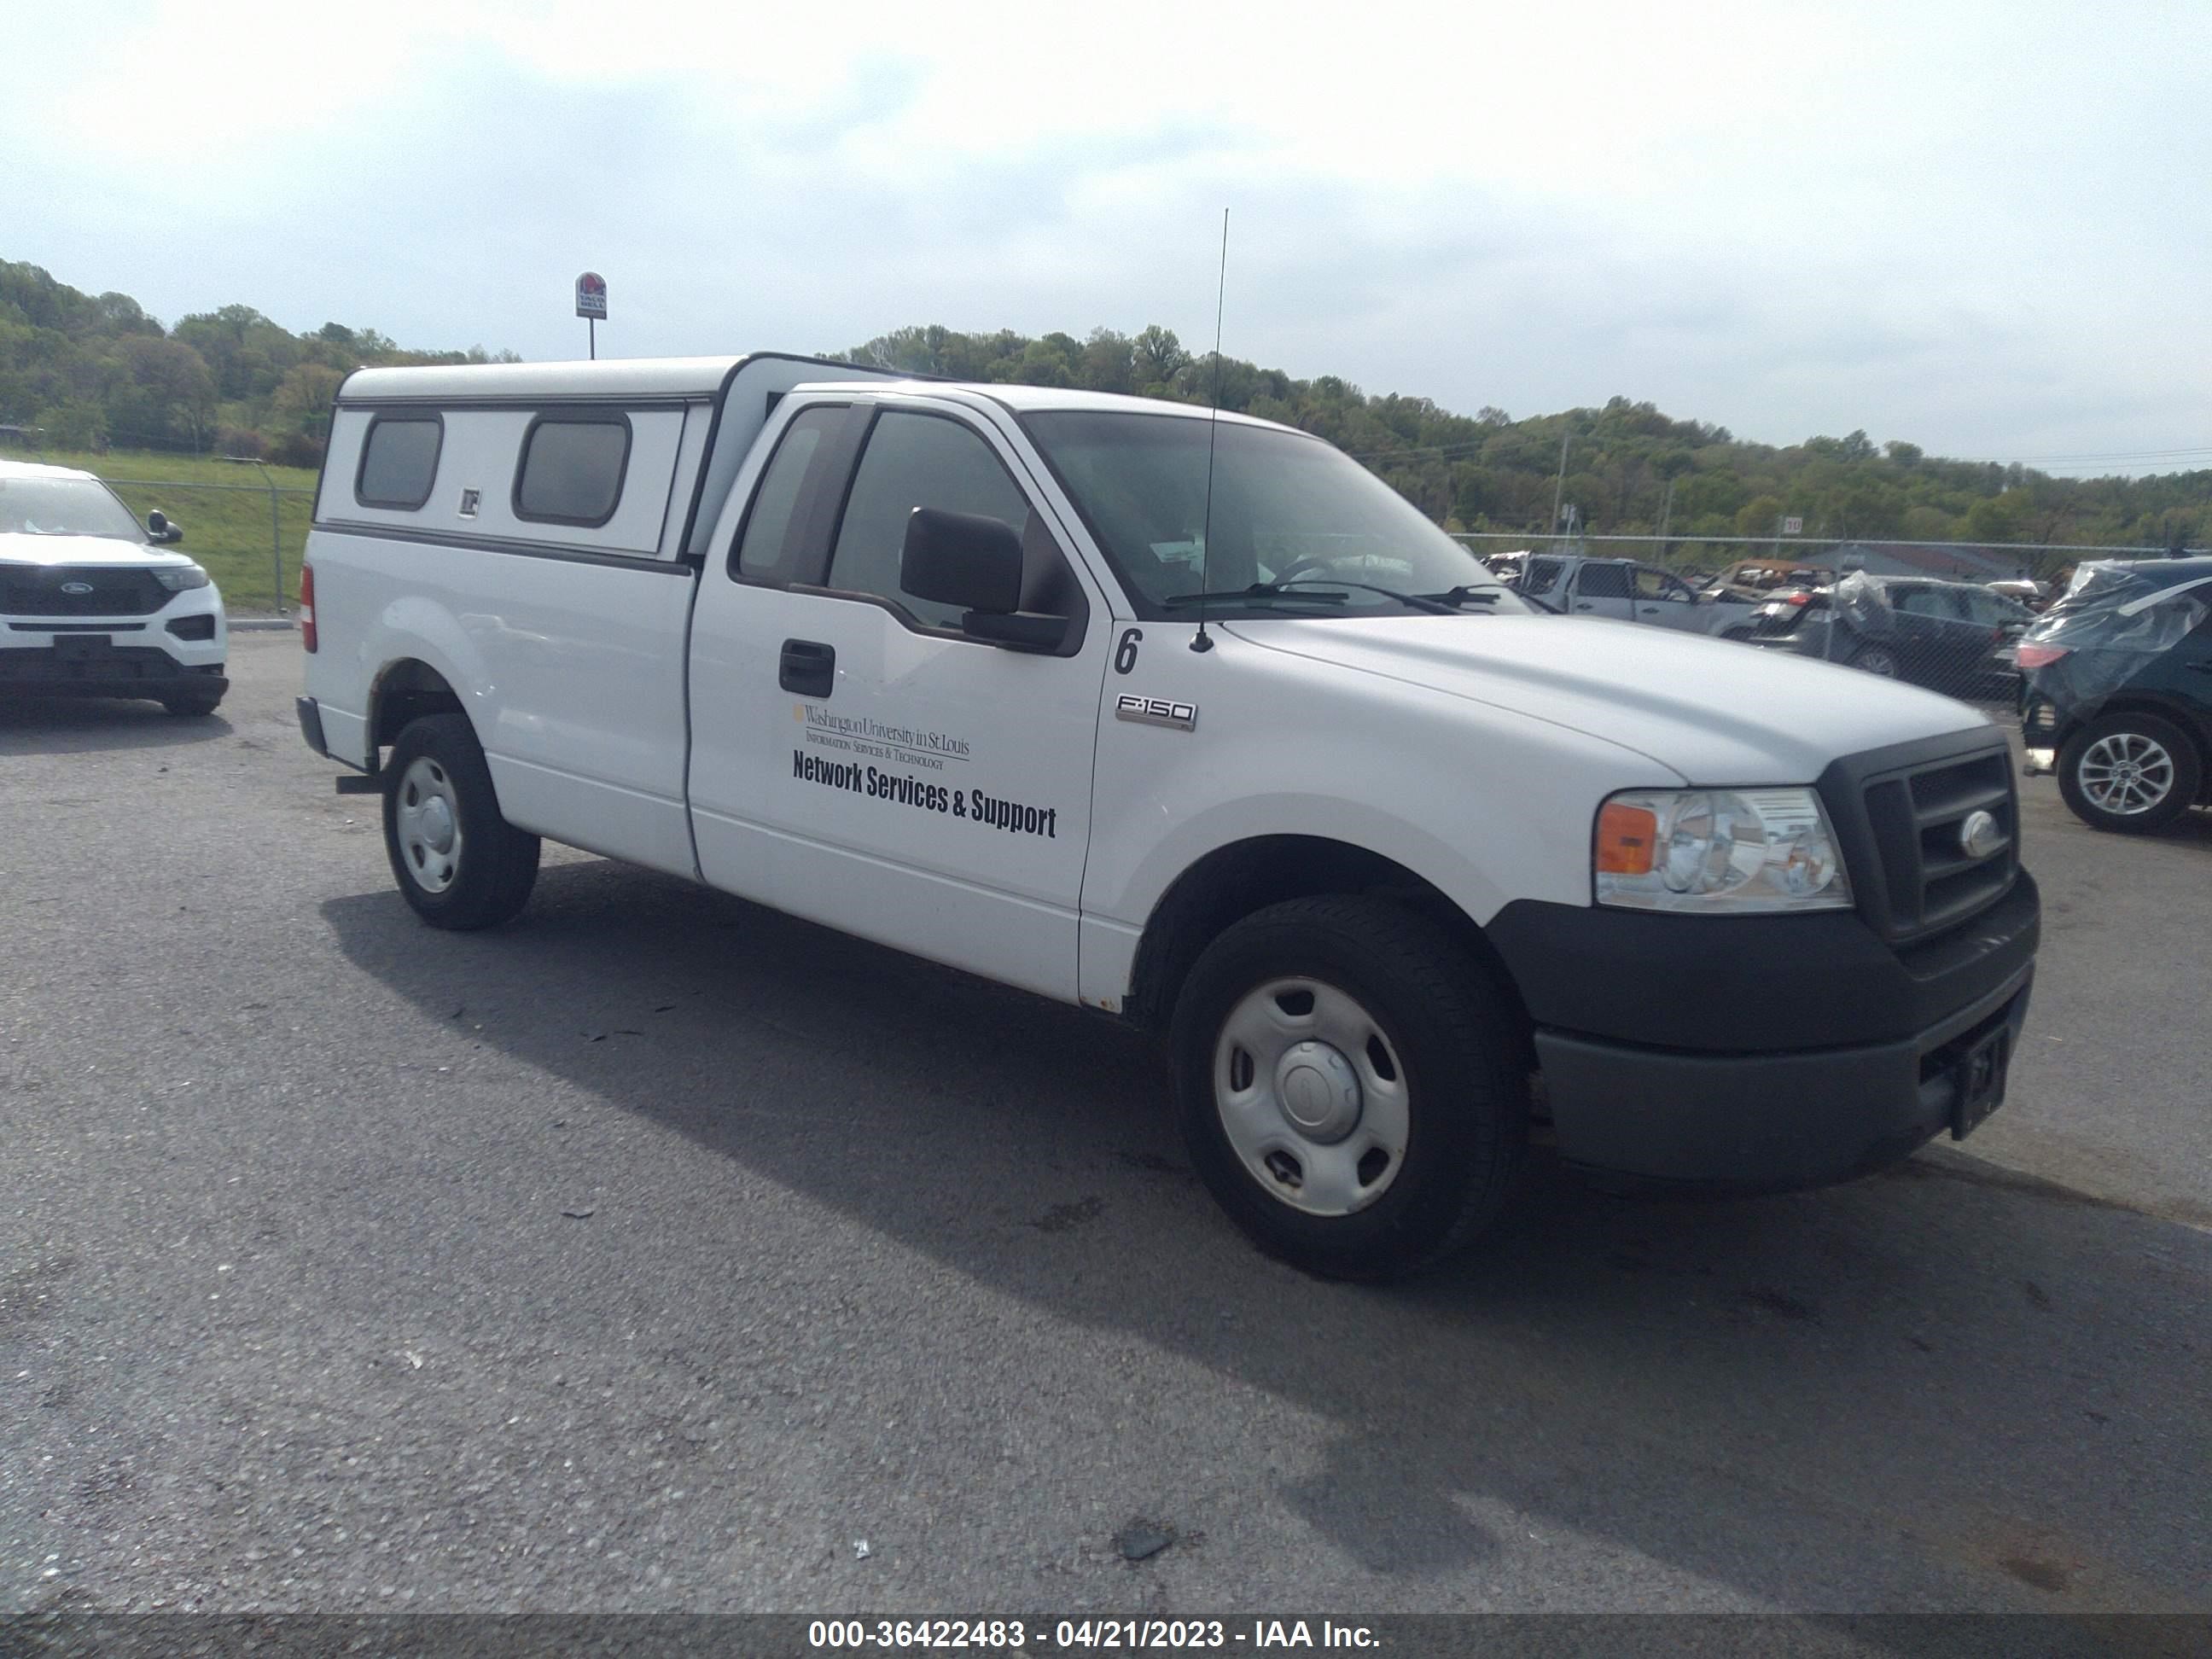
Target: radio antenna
{"points": [[1202, 641]]}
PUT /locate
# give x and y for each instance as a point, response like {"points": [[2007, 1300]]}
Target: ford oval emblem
{"points": [[1980, 835], [76, 588]]}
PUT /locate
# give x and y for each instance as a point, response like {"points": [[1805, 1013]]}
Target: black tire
{"points": [[1878, 660], [192, 703], [492, 864], [2100, 742], [1449, 1030]]}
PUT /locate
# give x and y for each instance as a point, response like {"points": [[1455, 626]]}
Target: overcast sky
{"points": [[1979, 228]]}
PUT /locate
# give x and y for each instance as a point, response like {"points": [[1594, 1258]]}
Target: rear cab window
{"points": [[767, 545]]}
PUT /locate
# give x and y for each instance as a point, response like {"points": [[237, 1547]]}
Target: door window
{"points": [[1602, 581], [917, 460], [1654, 584], [1922, 602]]}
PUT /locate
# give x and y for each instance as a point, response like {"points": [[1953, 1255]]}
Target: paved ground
{"points": [[652, 1252]]}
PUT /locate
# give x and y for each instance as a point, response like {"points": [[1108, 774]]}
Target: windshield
{"points": [[64, 507], [1286, 509]]}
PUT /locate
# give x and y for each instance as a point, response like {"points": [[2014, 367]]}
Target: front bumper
{"points": [[1759, 1053], [1764, 1122], [182, 645]]}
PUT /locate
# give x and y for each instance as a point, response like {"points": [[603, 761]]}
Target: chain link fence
{"points": [[1947, 616], [250, 536]]}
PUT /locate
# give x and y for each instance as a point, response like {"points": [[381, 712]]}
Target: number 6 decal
{"points": [[1124, 655]]}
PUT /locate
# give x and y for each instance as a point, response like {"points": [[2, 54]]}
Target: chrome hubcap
{"points": [[1311, 1096], [429, 825], [2126, 773]]}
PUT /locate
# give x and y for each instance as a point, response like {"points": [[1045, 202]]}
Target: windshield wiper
{"points": [[1456, 597], [1259, 591]]}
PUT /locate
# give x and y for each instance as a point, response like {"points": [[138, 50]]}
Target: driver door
{"points": [[855, 758]]}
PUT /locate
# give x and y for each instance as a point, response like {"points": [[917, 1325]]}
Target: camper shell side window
{"points": [[398, 463], [571, 467]]}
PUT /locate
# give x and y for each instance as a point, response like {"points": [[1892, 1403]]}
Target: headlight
{"points": [[1719, 852], [178, 577]]}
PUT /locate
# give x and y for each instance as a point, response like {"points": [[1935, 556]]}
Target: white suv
{"points": [[93, 604]]}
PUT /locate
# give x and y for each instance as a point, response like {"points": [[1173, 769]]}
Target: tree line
{"points": [[1628, 468], [88, 372], [93, 371]]}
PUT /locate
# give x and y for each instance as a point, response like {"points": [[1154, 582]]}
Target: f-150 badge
{"points": [[1156, 711]]}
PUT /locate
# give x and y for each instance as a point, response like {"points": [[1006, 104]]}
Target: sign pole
{"points": [[592, 307]]}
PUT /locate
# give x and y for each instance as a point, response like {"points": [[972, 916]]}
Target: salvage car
{"points": [[1625, 590], [1956, 637], [95, 605], [2116, 698]]}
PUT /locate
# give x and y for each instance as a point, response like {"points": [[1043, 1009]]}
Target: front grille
{"points": [[112, 593], [1929, 880]]}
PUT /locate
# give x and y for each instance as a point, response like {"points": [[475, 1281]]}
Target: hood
{"points": [[16, 548], [1715, 711]]}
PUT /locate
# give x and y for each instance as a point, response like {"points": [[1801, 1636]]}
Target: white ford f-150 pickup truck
{"points": [[1192, 720]]}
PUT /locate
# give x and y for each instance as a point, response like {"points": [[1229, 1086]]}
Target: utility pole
{"points": [[1559, 489], [1666, 514]]}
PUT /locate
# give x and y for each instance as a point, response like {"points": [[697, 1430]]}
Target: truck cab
{"points": [[1186, 719]]}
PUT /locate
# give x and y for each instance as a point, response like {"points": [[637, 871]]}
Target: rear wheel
{"points": [[1352, 1085], [1877, 659], [192, 702], [457, 862], [2132, 772]]}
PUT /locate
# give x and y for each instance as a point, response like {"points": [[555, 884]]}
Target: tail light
{"points": [[307, 607], [2040, 656]]}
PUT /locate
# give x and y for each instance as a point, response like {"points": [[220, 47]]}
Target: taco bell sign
{"points": [[592, 296]]}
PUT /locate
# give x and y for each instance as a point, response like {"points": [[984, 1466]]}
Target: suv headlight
{"points": [[1719, 852], [178, 577]]}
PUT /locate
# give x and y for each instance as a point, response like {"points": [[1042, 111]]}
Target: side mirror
{"points": [[976, 563], [962, 559], [160, 529]]}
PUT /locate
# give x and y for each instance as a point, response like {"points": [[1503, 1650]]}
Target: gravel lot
{"points": [[655, 1251]]}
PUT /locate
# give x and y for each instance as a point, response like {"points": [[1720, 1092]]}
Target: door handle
{"points": [[808, 667], [1582, 604], [1650, 610]]}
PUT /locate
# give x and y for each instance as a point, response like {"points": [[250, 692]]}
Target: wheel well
{"points": [[407, 691], [2198, 726], [1231, 882]]}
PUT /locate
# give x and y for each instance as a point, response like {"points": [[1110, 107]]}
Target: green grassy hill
{"points": [[224, 510]]}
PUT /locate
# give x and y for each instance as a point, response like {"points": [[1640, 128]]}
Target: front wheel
{"points": [[1878, 660], [1352, 1085], [2132, 772], [457, 862]]}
